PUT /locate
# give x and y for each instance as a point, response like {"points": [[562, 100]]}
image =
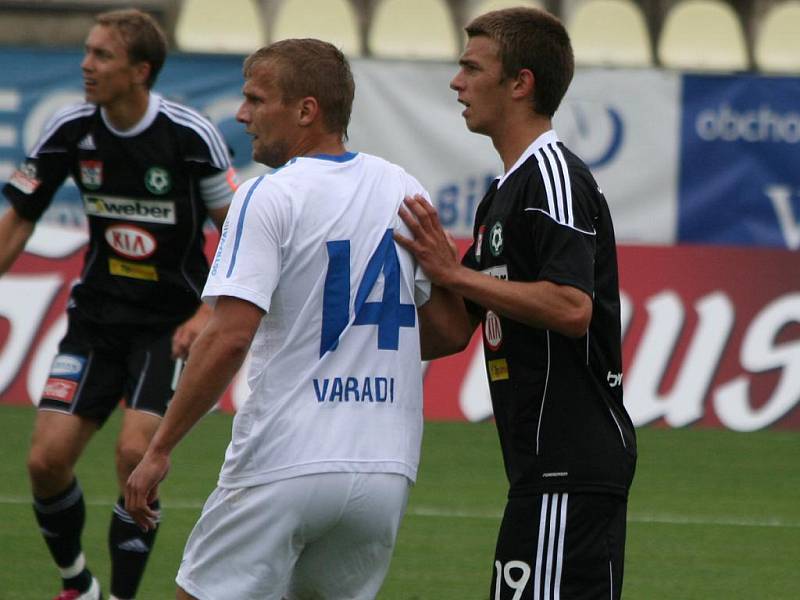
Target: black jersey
{"points": [[557, 400], [146, 193]]}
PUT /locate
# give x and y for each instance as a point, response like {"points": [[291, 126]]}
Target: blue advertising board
{"points": [[740, 161]]}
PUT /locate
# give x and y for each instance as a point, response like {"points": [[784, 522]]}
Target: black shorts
{"points": [[99, 365], [561, 547]]}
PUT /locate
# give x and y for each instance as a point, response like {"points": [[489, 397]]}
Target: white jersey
{"points": [[335, 372]]}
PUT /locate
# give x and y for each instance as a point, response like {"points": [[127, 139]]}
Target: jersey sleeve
{"points": [[209, 158], [247, 264], [422, 284], [563, 237], [31, 187], [217, 189]]}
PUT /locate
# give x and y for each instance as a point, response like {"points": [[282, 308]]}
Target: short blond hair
{"points": [[311, 67]]}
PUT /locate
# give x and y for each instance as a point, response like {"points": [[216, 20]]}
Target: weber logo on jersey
{"points": [[130, 209], [91, 173]]}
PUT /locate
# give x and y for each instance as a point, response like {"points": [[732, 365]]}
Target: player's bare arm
{"points": [[217, 355], [14, 233], [186, 333], [561, 308], [445, 326]]}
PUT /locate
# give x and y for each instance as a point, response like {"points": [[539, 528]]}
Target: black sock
{"points": [[130, 548], [61, 520]]}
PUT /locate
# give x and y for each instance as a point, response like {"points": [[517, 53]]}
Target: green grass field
{"points": [[713, 515]]}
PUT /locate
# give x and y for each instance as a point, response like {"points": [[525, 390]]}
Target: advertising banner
{"points": [[699, 173], [740, 151]]}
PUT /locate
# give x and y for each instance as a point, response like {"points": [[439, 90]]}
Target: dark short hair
{"points": [[310, 67], [142, 35], [533, 39]]}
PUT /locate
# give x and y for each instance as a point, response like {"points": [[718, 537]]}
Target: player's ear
{"points": [[524, 84], [141, 72], [308, 111]]}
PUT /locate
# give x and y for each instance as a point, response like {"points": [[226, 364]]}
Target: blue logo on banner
{"points": [[740, 151]]}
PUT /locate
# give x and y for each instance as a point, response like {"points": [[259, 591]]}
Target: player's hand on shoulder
{"points": [[432, 246]]}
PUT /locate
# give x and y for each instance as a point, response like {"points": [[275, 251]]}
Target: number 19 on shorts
{"points": [[514, 574]]}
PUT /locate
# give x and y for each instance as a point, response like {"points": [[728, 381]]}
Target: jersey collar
{"points": [[344, 157], [153, 106], [548, 137]]}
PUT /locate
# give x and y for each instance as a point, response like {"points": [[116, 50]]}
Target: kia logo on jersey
{"points": [[492, 330], [131, 241]]}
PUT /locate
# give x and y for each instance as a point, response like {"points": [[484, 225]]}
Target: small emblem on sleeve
{"points": [[479, 241], [496, 239], [24, 178], [232, 178], [157, 180], [91, 173], [498, 369]]}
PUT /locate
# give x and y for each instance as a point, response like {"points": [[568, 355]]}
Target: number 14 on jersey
{"points": [[389, 315]]}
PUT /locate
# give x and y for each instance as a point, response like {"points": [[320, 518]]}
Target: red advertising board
{"points": [[711, 338]]}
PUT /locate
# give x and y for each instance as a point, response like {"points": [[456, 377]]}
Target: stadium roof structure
{"points": [[715, 35]]}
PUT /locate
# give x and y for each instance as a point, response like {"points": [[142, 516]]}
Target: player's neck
{"points": [[517, 135], [126, 112], [325, 144]]}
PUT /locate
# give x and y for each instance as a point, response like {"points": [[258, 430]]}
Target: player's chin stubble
{"points": [[273, 155]]}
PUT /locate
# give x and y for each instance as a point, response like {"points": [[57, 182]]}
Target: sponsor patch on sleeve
{"points": [[24, 179]]}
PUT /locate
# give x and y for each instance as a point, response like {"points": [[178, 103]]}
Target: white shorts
{"points": [[328, 535]]}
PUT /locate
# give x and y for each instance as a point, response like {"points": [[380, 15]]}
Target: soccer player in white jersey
{"points": [[324, 450]]}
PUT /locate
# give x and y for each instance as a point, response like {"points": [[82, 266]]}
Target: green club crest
{"points": [[157, 181], [496, 239]]}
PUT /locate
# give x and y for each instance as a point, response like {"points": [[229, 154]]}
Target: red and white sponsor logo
{"points": [[492, 330], [479, 242], [59, 389], [131, 241], [24, 182]]}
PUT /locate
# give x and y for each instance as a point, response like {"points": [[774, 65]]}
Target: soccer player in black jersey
{"points": [[541, 277], [150, 172]]}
